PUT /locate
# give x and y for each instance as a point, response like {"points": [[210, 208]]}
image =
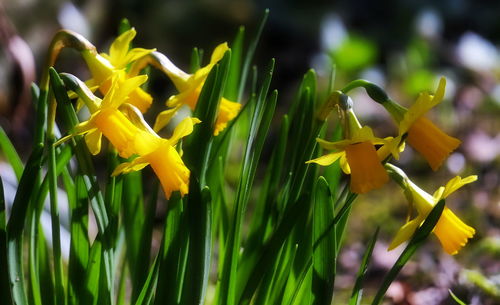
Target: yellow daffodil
{"points": [[189, 87], [425, 137], [452, 232], [134, 138], [103, 66], [358, 156]]}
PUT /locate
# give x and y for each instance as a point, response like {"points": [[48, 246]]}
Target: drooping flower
{"points": [[131, 136], [189, 87], [103, 66], [358, 156], [423, 135], [451, 231]]}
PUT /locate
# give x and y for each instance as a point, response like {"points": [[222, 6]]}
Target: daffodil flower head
{"points": [[451, 231], [103, 66], [189, 87], [423, 135], [105, 117], [358, 156], [161, 154], [123, 125]]}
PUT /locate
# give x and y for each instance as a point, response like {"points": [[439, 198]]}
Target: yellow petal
{"points": [[218, 53], [120, 47], [121, 89], [456, 183], [405, 232], [367, 173], [100, 68], [93, 141], [344, 165], [423, 104], [126, 167], [227, 111], [327, 159], [337, 145], [184, 128], [164, 117], [133, 55], [188, 97], [392, 146]]}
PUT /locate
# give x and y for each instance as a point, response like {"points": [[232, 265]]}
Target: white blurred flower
{"points": [[477, 53]]}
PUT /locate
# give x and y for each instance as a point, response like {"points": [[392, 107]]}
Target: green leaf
{"points": [[249, 55], [15, 226], [46, 273], [233, 78], [92, 275], [265, 216], [4, 276], [146, 293], [324, 255], [173, 250], [199, 218], [195, 63], [260, 122], [146, 236], [79, 245], [357, 290], [87, 171], [200, 141], [11, 154], [273, 284], [416, 241], [54, 216], [133, 219], [269, 253], [124, 26]]}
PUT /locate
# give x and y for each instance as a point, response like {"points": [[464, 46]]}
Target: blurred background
{"points": [[404, 46]]}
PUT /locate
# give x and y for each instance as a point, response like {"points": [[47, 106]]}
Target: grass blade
{"points": [[324, 255], [146, 235], [11, 154], [416, 241], [79, 245], [174, 243], [357, 291], [54, 216], [199, 218], [233, 78], [260, 123], [88, 173], [4, 276], [249, 55], [15, 226]]}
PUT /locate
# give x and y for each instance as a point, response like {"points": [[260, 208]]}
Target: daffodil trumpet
{"points": [[127, 131], [189, 87], [451, 231]]}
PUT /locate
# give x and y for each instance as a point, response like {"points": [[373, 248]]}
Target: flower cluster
{"points": [[118, 114], [365, 158]]}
